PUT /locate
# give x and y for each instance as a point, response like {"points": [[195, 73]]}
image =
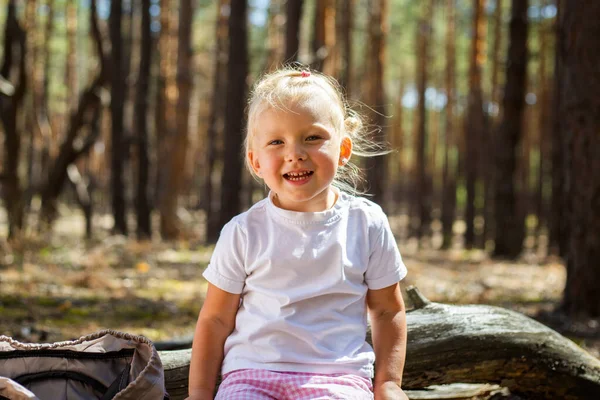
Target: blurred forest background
{"points": [[122, 123]]}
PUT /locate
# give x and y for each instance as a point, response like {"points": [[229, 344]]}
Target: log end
{"points": [[417, 299]]}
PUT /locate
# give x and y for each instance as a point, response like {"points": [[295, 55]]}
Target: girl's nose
{"points": [[296, 153]]}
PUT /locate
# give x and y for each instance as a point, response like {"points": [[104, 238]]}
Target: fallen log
{"points": [[470, 344]]}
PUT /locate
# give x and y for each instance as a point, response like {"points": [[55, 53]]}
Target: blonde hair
{"points": [[296, 85]]}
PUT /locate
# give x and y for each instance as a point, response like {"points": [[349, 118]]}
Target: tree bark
{"points": [[144, 226], [170, 225], [345, 25], [470, 344], [474, 122], [13, 68], [449, 168], [558, 221], [292, 31], [510, 229], [237, 72], [215, 125], [422, 197], [117, 104], [580, 111]]}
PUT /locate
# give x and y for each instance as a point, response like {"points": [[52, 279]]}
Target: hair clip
{"points": [[305, 74], [344, 160]]}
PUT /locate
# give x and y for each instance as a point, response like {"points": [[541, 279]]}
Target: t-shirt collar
{"points": [[300, 217]]}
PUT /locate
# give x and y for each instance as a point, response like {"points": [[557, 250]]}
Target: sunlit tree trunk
{"points": [[509, 220], [580, 111], [449, 168], [117, 104], [377, 34], [422, 195], [474, 122], [214, 133], [325, 52], [170, 226], [237, 72], [292, 32], [14, 73], [275, 37], [142, 202]]}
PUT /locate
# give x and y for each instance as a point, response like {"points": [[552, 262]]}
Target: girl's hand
{"points": [[389, 391]]}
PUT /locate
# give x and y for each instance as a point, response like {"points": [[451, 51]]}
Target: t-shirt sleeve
{"points": [[226, 268], [385, 262]]}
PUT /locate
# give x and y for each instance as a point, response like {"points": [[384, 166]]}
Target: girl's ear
{"points": [[345, 150], [253, 161]]}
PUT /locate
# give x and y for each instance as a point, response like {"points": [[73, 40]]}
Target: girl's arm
{"points": [[215, 322], [388, 325]]}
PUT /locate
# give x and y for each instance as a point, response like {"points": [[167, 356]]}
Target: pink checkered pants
{"points": [[256, 384]]}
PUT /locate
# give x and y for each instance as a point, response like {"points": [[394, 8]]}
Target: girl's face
{"points": [[297, 151]]}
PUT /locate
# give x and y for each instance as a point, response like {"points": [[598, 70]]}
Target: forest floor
{"points": [[59, 286]]}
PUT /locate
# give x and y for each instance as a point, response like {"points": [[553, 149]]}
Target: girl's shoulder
{"points": [[363, 205]]}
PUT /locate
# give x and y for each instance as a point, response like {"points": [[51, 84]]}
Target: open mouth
{"points": [[297, 176]]}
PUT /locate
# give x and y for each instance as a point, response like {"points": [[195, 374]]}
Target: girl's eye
{"points": [[313, 137], [275, 142]]}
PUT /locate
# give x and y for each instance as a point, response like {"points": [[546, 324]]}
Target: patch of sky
{"points": [[536, 12], [530, 98], [259, 10], [434, 98]]}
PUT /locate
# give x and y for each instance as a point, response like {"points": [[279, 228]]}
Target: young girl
{"points": [[292, 278]]}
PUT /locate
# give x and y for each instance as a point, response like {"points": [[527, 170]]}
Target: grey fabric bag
{"points": [[105, 365]]}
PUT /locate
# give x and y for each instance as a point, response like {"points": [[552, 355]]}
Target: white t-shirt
{"points": [[303, 277]]}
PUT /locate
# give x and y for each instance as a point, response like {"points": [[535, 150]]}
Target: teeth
{"points": [[296, 176]]}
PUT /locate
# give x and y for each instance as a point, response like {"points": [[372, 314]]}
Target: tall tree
{"points": [[422, 196], [144, 226], [345, 24], [449, 167], [237, 72], [489, 179], [14, 76], [474, 122], [117, 105], [85, 115], [510, 231], [580, 110], [292, 30], [170, 226], [215, 123], [558, 223], [378, 30]]}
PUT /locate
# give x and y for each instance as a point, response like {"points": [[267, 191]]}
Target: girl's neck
{"points": [[318, 205]]}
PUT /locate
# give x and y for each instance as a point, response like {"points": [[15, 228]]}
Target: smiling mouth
{"points": [[297, 176]]}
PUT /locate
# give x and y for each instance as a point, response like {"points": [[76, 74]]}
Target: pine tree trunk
{"points": [[449, 167], [117, 104], [509, 221], [292, 32], [142, 202], [474, 123], [345, 23], [216, 120], [580, 110], [557, 225], [378, 29], [237, 71], [422, 198], [13, 70]]}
